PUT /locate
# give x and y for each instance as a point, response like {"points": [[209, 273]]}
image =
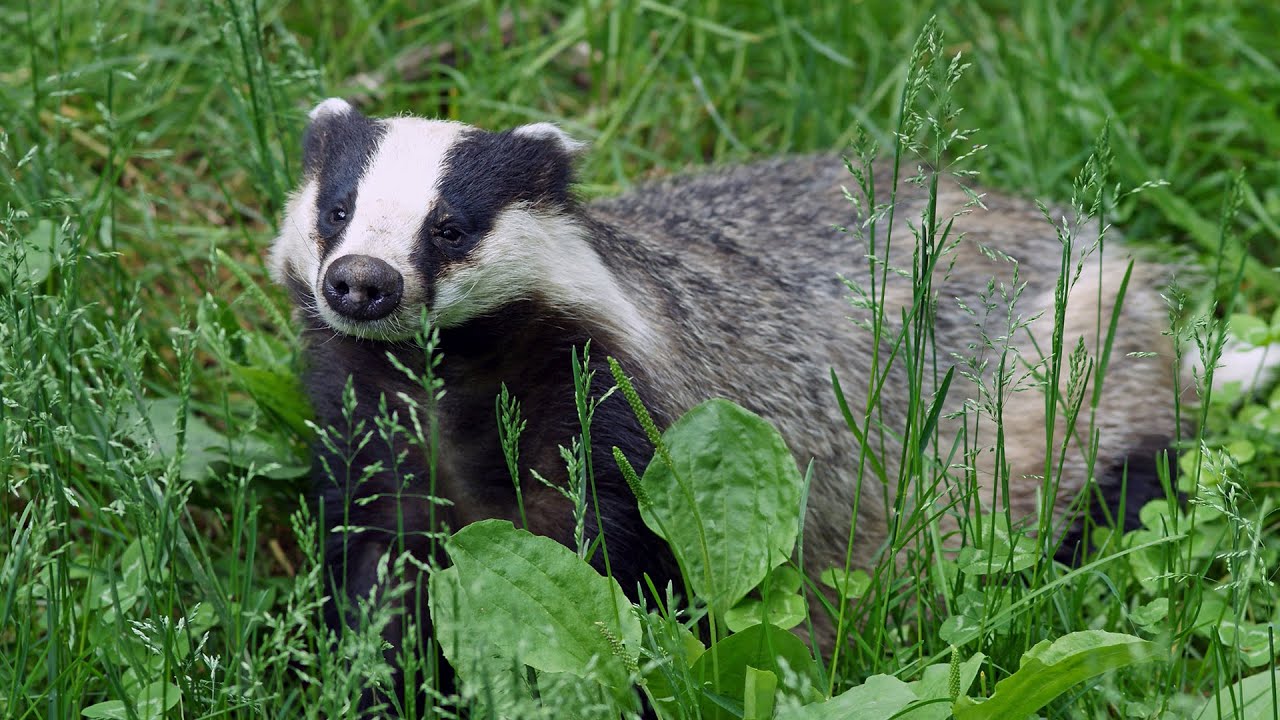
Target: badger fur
{"points": [[724, 284]]}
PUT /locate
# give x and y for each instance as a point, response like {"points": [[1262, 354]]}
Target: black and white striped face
{"points": [[400, 214]]}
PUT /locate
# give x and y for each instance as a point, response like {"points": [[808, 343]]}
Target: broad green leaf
{"points": [[267, 455], [973, 616], [46, 246], [1242, 451], [660, 677], [1254, 415], [112, 709], [1052, 667], [257, 361], [758, 694], [722, 670], [730, 510], [1213, 609], [1251, 640], [1147, 564], [784, 610], [998, 550], [1155, 515], [118, 593], [1151, 613], [494, 681], [572, 698], [1270, 421], [693, 647], [153, 702], [881, 697], [1253, 698], [529, 597], [849, 585], [783, 579], [203, 447], [1204, 536], [1250, 329]]}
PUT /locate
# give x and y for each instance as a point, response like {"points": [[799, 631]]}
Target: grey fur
{"points": [[745, 262]]}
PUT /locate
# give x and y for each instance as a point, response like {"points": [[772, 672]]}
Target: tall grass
{"points": [[155, 556]]}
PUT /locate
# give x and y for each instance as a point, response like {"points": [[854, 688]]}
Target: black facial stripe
{"points": [[337, 150], [484, 173]]}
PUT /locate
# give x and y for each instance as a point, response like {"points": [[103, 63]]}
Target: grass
{"points": [[153, 446]]}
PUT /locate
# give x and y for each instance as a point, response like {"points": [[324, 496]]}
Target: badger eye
{"points": [[338, 215], [450, 235]]}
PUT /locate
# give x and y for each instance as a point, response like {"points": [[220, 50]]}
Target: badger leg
{"points": [[1121, 491]]}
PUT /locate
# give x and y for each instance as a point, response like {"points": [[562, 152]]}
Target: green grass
{"points": [[152, 444]]}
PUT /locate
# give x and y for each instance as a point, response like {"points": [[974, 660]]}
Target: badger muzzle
{"points": [[362, 288]]}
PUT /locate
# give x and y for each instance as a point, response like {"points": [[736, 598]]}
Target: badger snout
{"points": [[362, 288]]}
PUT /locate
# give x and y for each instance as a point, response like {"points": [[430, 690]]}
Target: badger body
{"points": [[730, 283]]}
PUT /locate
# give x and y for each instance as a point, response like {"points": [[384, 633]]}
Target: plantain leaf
{"points": [[884, 697], [1252, 640], [881, 697], [1052, 667], [278, 392], [784, 610], [1250, 329], [1253, 698], [46, 247], [529, 598], [730, 510], [152, 703], [758, 693], [724, 669]]}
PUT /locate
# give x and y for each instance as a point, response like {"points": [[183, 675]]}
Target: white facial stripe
{"points": [[398, 189], [392, 199], [525, 256], [295, 255]]}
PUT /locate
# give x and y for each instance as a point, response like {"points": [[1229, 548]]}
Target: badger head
{"points": [[400, 214]]}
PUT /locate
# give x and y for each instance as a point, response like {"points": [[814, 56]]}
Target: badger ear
{"points": [[552, 132], [334, 123], [329, 107]]}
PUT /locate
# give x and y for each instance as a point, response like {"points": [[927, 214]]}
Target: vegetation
{"points": [[156, 555]]}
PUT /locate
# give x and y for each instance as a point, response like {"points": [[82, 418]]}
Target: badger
{"points": [[730, 283]]}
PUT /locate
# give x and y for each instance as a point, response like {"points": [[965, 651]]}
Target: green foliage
{"points": [[785, 611], [150, 703], [726, 502], [1051, 668], [153, 435], [527, 595], [1251, 424], [515, 597], [725, 671], [886, 697], [1253, 698]]}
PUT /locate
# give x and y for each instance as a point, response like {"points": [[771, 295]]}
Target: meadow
{"points": [[158, 558]]}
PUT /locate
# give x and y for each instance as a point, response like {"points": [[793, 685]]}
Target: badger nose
{"points": [[363, 288]]}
